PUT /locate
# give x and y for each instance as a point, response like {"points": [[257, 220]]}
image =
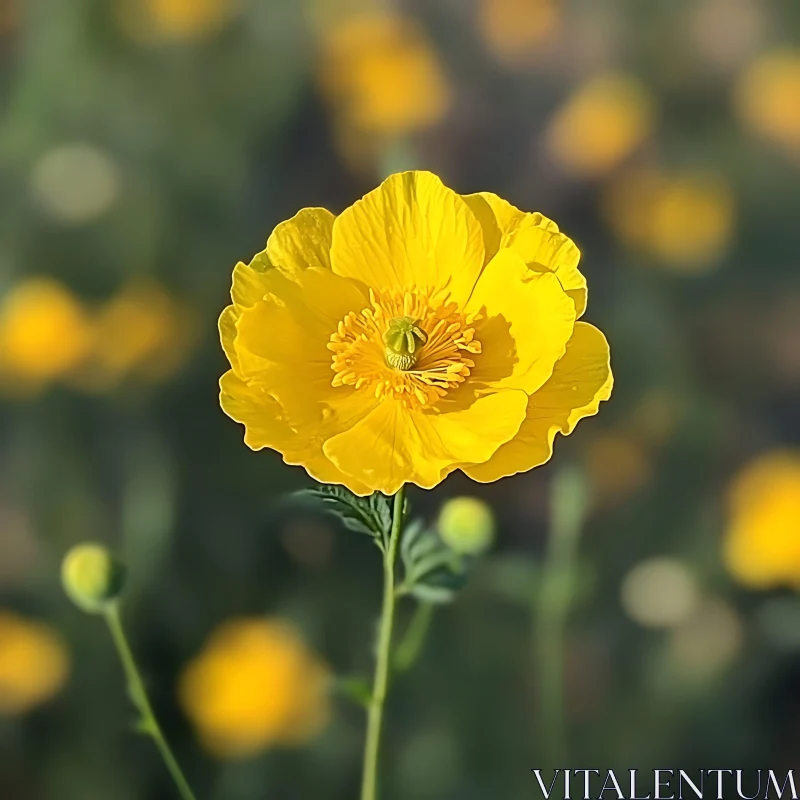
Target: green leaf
{"points": [[356, 689], [415, 543], [143, 727], [433, 594], [433, 572], [370, 515]]}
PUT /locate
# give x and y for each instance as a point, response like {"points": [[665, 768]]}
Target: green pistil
{"points": [[404, 339]]}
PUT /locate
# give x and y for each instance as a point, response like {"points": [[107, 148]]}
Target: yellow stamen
{"points": [[406, 347]]}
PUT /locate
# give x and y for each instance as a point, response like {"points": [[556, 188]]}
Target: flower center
{"points": [[403, 340], [404, 346]]}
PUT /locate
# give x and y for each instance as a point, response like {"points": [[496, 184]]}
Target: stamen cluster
{"points": [[405, 346]]}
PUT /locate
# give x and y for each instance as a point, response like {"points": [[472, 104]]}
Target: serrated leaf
{"points": [[433, 572], [368, 515], [413, 539], [435, 561], [433, 594], [382, 511]]}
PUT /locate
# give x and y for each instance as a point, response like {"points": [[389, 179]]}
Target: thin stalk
{"points": [[552, 604], [369, 784], [148, 722], [407, 652]]}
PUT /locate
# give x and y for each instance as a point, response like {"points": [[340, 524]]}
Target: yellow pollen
{"points": [[405, 347]]}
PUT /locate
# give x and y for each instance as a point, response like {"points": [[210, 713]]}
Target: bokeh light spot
{"points": [[659, 593], [75, 183]]}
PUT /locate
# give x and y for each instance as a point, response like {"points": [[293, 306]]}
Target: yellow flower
{"points": [[762, 546], [44, 333], [686, 220], [142, 332], [149, 20], [33, 663], [382, 76], [254, 685], [600, 124], [692, 220], [512, 29], [767, 97], [416, 333]]}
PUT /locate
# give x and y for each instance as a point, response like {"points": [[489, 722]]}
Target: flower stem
{"points": [[380, 686], [148, 723], [410, 646], [551, 607]]}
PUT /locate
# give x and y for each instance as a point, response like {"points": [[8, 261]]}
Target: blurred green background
{"points": [[148, 145]]}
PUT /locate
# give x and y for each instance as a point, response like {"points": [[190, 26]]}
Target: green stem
{"points": [[410, 646], [149, 723], [380, 686], [551, 609]]}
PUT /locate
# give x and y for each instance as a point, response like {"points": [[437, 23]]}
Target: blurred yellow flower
{"points": [[255, 685], [417, 333], [44, 333], [382, 75], [142, 332], [686, 220], [768, 97], [33, 663], [149, 20], [692, 220], [600, 124], [762, 545], [512, 29]]}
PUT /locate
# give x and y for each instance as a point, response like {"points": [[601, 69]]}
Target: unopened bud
{"points": [[466, 525], [92, 577]]}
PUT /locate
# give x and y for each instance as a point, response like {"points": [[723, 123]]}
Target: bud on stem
{"points": [[466, 525], [92, 578]]}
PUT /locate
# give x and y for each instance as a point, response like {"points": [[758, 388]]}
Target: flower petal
{"points": [[296, 317], [499, 220], [525, 324], [265, 422], [299, 243], [281, 343], [227, 335], [535, 237], [412, 232], [415, 447], [267, 425], [249, 281], [581, 380], [303, 241]]}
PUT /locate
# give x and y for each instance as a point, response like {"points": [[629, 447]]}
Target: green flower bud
{"points": [[92, 577], [466, 525]]}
